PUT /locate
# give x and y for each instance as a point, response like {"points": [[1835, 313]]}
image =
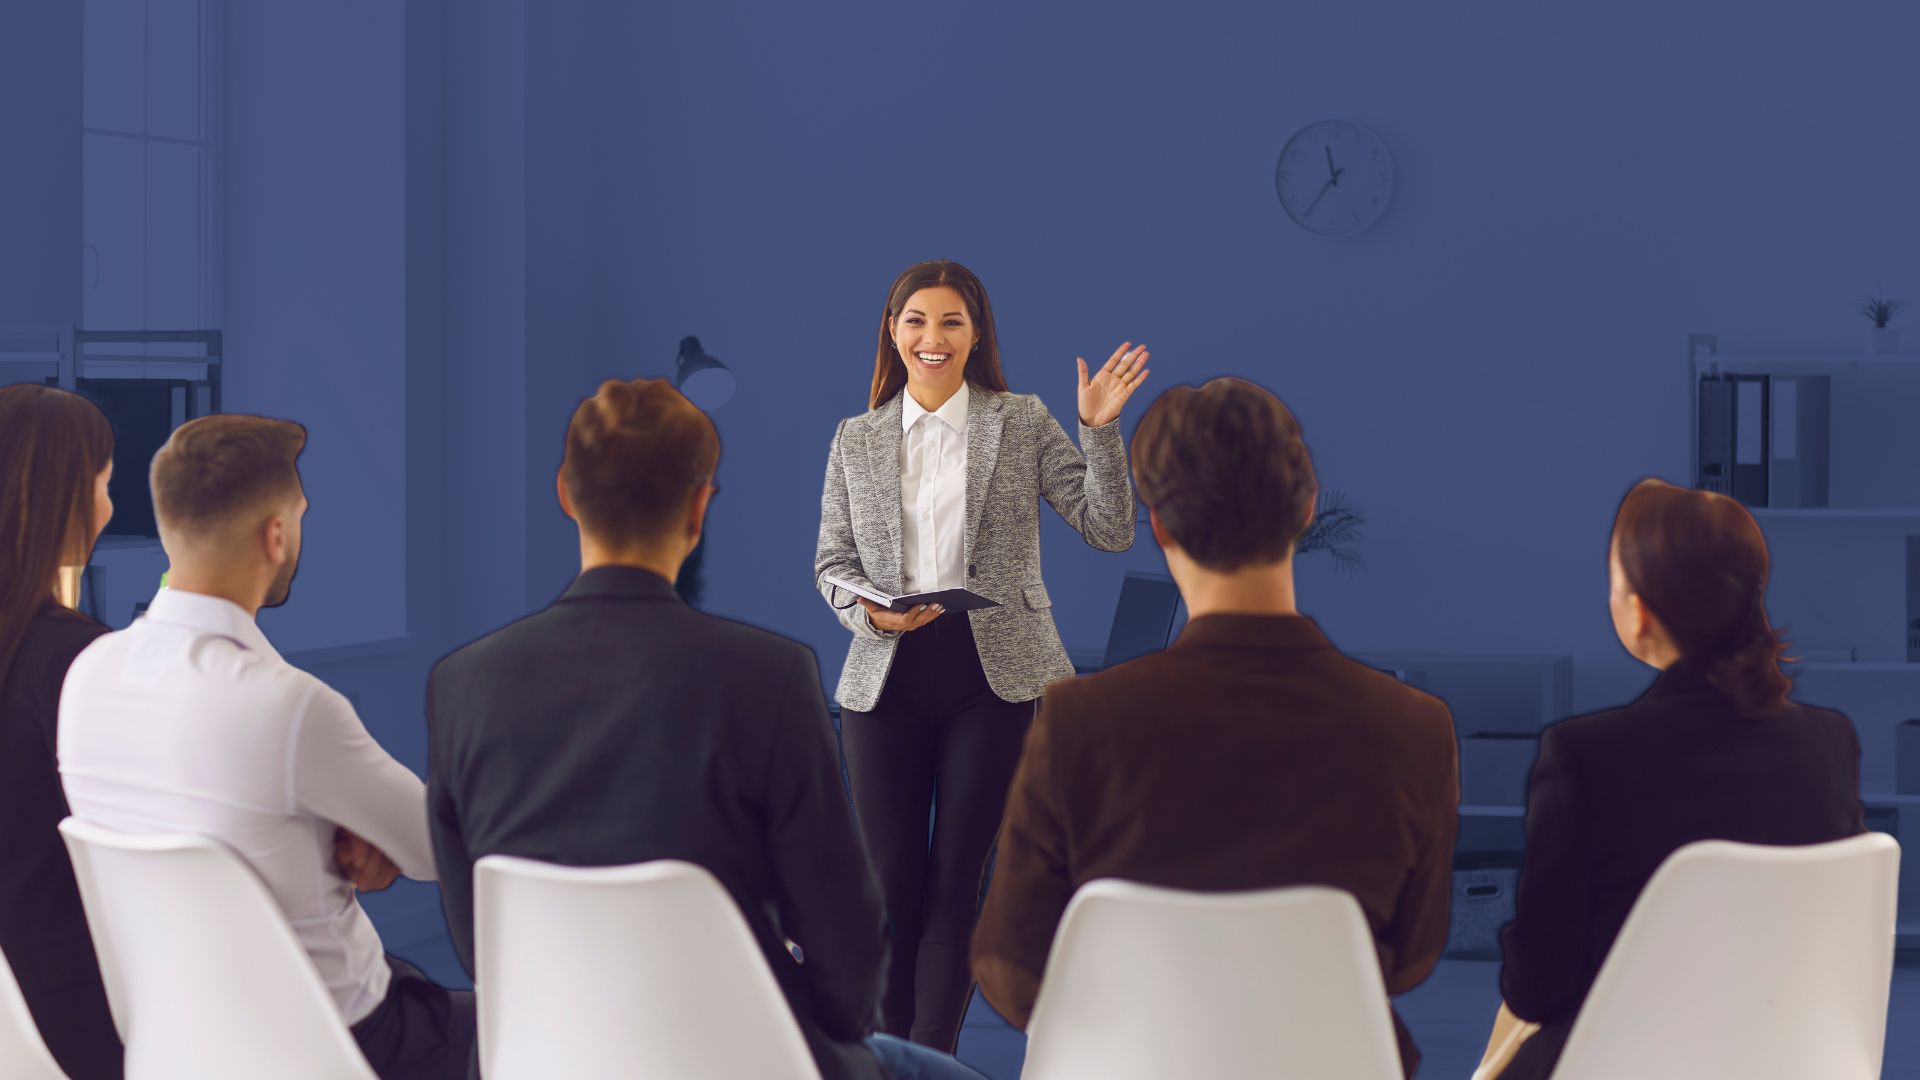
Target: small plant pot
{"points": [[1886, 340]]}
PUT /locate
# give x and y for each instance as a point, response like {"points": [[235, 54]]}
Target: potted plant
{"points": [[1335, 529], [1882, 310]]}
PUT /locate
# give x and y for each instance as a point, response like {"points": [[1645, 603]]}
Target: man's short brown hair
{"points": [[215, 470], [636, 451], [1224, 469]]}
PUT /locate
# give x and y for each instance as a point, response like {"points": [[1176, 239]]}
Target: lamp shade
{"points": [[706, 381]]}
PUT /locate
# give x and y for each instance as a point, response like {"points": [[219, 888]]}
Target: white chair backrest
{"points": [[204, 977], [1146, 982], [1746, 961], [624, 971], [23, 1054]]}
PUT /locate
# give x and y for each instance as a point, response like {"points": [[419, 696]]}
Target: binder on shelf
{"points": [[1797, 461], [1716, 435], [1752, 438], [1906, 761], [1913, 599]]}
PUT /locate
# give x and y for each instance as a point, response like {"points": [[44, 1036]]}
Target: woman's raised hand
{"points": [[1102, 398], [911, 619]]}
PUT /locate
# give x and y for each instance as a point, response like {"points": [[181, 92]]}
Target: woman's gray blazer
{"points": [[1017, 454]]}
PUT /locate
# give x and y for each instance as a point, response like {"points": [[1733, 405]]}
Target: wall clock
{"points": [[1334, 178]]}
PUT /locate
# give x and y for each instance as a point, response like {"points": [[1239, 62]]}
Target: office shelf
{"points": [[1739, 363], [1879, 667], [1889, 512]]}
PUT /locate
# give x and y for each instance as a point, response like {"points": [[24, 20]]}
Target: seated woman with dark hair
{"points": [[1712, 751], [56, 456]]}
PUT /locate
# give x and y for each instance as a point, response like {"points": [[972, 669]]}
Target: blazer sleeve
{"points": [[450, 851], [1092, 492], [829, 901], [1547, 967], [1032, 881], [836, 553], [1855, 806], [1417, 933]]}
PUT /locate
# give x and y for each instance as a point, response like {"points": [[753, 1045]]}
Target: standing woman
{"points": [[937, 486], [57, 455]]}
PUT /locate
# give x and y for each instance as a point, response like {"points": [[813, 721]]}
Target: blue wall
{"points": [[40, 189], [444, 222], [316, 313], [1485, 371]]}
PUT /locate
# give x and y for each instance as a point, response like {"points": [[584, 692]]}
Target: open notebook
{"points": [[951, 599]]}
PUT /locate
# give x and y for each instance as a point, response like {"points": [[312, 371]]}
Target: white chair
{"points": [[203, 975], [1145, 983], [624, 971], [1763, 963], [23, 1054]]}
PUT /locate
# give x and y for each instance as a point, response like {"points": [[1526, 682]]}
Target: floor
{"points": [[1449, 1015]]}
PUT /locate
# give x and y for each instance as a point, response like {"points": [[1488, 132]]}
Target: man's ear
{"points": [[273, 538], [560, 485], [1313, 509]]}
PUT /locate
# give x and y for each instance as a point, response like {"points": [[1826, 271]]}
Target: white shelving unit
{"points": [[1705, 356], [1864, 667], [1836, 512], [1876, 692]]}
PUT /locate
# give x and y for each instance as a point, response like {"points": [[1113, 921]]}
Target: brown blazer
{"points": [[1250, 754]]}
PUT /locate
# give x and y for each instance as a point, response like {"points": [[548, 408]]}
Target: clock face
{"points": [[1334, 178]]}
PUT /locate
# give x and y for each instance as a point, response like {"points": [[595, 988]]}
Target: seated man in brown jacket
{"points": [[1250, 754]]}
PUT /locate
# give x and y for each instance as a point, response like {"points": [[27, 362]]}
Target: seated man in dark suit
{"points": [[1254, 755], [621, 726]]}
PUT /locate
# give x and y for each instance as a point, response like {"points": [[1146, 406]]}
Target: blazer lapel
{"points": [[983, 450], [883, 465]]}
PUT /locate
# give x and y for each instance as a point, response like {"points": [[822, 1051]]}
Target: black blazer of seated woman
{"points": [[1712, 751], [58, 454], [938, 486]]}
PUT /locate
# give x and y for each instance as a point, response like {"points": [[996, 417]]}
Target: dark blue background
{"points": [[435, 225]]}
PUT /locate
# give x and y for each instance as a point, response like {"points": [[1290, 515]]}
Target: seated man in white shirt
{"points": [[281, 769]]}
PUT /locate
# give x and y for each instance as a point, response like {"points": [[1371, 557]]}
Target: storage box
{"points": [[1482, 904]]}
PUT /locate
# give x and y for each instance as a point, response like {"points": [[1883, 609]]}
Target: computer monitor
{"points": [[1143, 618], [143, 413]]}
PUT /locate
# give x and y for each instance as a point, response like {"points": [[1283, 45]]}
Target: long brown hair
{"points": [[54, 444], [983, 367], [1699, 562]]}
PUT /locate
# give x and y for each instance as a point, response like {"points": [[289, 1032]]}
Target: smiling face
{"points": [[935, 336]]}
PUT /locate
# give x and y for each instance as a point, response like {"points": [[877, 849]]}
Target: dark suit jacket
{"points": [[1248, 755], [621, 726], [43, 929], [1614, 793]]}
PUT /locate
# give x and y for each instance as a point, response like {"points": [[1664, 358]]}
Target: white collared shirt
{"points": [[189, 721], [933, 493]]}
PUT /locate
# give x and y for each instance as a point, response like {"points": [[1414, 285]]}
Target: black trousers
{"points": [[421, 1031], [939, 742]]}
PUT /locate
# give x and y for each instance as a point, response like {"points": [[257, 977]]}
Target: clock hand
{"points": [[1331, 171], [1324, 188]]}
